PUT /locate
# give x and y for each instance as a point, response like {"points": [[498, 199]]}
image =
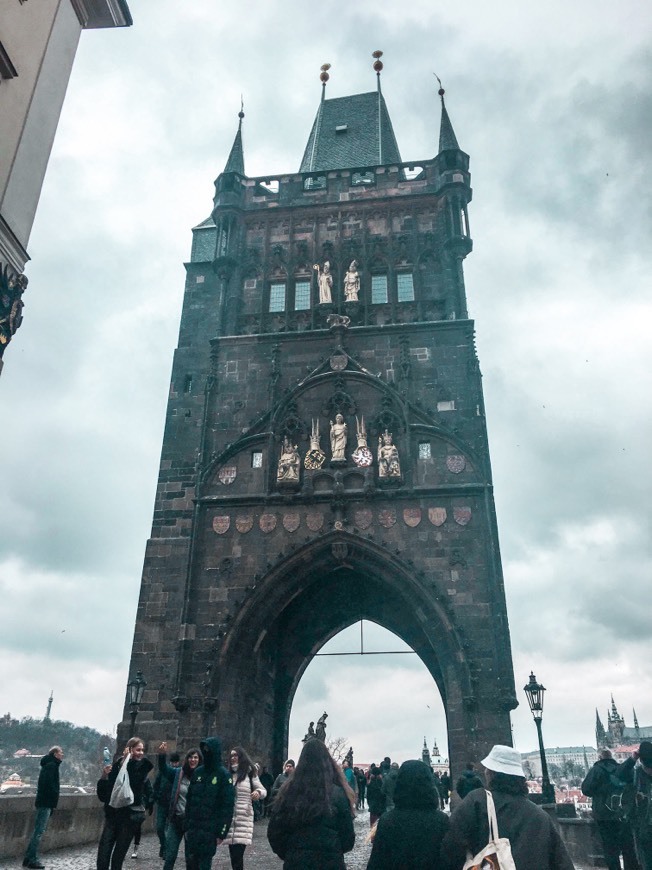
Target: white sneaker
{"points": [[134, 854]]}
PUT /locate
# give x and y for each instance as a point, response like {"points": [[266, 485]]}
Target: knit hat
{"points": [[504, 759]]}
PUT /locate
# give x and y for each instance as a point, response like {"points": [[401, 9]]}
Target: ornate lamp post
{"points": [[135, 689], [534, 692]]}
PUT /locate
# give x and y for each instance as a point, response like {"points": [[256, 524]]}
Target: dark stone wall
{"points": [[246, 577]]}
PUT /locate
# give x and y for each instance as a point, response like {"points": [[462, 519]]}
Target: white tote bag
{"points": [[497, 854], [122, 795]]}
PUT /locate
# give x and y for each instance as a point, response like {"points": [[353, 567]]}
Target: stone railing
{"points": [[77, 820]]}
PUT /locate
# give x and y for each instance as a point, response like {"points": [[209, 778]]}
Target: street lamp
{"points": [[135, 689], [534, 692]]}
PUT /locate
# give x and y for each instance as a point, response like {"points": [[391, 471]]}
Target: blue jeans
{"points": [[173, 838], [40, 824]]}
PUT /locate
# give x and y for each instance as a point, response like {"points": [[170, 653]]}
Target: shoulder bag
{"points": [[497, 854], [122, 795]]}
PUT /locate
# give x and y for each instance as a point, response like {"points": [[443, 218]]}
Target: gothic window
{"points": [[187, 384], [405, 287], [446, 405], [277, 296], [257, 459], [378, 289], [301, 295], [464, 222]]}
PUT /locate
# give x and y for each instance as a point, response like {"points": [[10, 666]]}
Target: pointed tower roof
{"points": [[447, 137], [235, 163], [350, 132]]}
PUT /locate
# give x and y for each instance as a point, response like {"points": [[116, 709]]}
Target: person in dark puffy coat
{"points": [[608, 812], [47, 798], [209, 807], [468, 781], [534, 838], [375, 795], [409, 836], [120, 825], [311, 826]]}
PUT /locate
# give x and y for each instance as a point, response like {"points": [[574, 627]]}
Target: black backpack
{"points": [[619, 796]]}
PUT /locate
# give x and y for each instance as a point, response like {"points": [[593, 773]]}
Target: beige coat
{"points": [[242, 826]]}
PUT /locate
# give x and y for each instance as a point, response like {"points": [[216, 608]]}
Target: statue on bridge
{"points": [[320, 732], [310, 733]]}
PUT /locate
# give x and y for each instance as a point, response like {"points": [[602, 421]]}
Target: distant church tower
{"points": [[325, 454]]}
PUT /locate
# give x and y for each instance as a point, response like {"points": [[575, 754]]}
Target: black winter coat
{"points": [[209, 804], [47, 790], [467, 782], [536, 843], [138, 780], [598, 786], [375, 796], [408, 839], [317, 846]]}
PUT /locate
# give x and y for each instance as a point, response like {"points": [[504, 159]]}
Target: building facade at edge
{"points": [[38, 43]]}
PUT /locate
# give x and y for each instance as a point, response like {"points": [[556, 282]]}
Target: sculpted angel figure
{"points": [[388, 459], [338, 437], [352, 282], [325, 283]]}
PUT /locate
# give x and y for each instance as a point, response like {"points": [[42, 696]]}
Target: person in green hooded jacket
{"points": [[209, 807]]}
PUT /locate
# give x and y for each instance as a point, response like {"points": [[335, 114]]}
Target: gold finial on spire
{"points": [[323, 76], [241, 112], [378, 64], [441, 90]]}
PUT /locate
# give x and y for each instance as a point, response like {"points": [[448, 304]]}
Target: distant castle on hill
{"points": [[617, 733]]}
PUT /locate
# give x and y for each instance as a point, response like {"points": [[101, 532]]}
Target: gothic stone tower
{"points": [[325, 456]]}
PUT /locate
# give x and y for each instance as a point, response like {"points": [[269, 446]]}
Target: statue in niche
{"points": [[352, 282], [339, 431], [324, 282], [320, 732], [389, 464], [315, 457], [362, 456], [289, 463]]}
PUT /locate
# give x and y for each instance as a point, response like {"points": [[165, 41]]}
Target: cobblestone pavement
{"points": [[258, 856]]}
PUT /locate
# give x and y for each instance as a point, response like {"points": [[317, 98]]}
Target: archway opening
{"points": [[380, 698]]}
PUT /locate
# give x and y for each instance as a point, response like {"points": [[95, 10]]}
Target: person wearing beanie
{"points": [[535, 841]]}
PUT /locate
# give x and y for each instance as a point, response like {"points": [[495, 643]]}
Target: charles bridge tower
{"points": [[325, 455]]}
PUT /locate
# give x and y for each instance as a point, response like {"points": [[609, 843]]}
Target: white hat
{"points": [[504, 759]]}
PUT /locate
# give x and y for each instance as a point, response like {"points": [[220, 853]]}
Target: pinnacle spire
{"points": [[447, 138], [235, 163]]}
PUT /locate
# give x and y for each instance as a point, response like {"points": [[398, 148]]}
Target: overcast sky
{"points": [[553, 103]]}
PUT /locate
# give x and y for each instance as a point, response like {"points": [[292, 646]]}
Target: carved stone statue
{"points": [[320, 732], [339, 431], [289, 463], [352, 283], [310, 733], [389, 464], [325, 283]]}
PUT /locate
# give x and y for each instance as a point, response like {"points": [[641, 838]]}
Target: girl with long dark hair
{"points": [[248, 788], [312, 817], [179, 779]]}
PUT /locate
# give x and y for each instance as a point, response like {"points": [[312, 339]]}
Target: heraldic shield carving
{"points": [[412, 517], [314, 520], [244, 523], [462, 515], [455, 463], [437, 516], [291, 521], [267, 522], [221, 524], [363, 518], [387, 518], [227, 474]]}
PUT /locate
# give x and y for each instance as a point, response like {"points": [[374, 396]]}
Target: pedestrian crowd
{"points": [[311, 806]]}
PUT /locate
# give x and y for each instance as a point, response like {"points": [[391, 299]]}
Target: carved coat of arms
{"points": [[363, 518], [412, 517], [221, 524], [387, 518], [314, 520], [291, 521], [437, 516], [227, 474], [462, 515], [267, 522], [455, 463], [244, 523]]}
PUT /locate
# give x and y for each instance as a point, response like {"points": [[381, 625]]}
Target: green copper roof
{"points": [[351, 132], [235, 163], [447, 138]]}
